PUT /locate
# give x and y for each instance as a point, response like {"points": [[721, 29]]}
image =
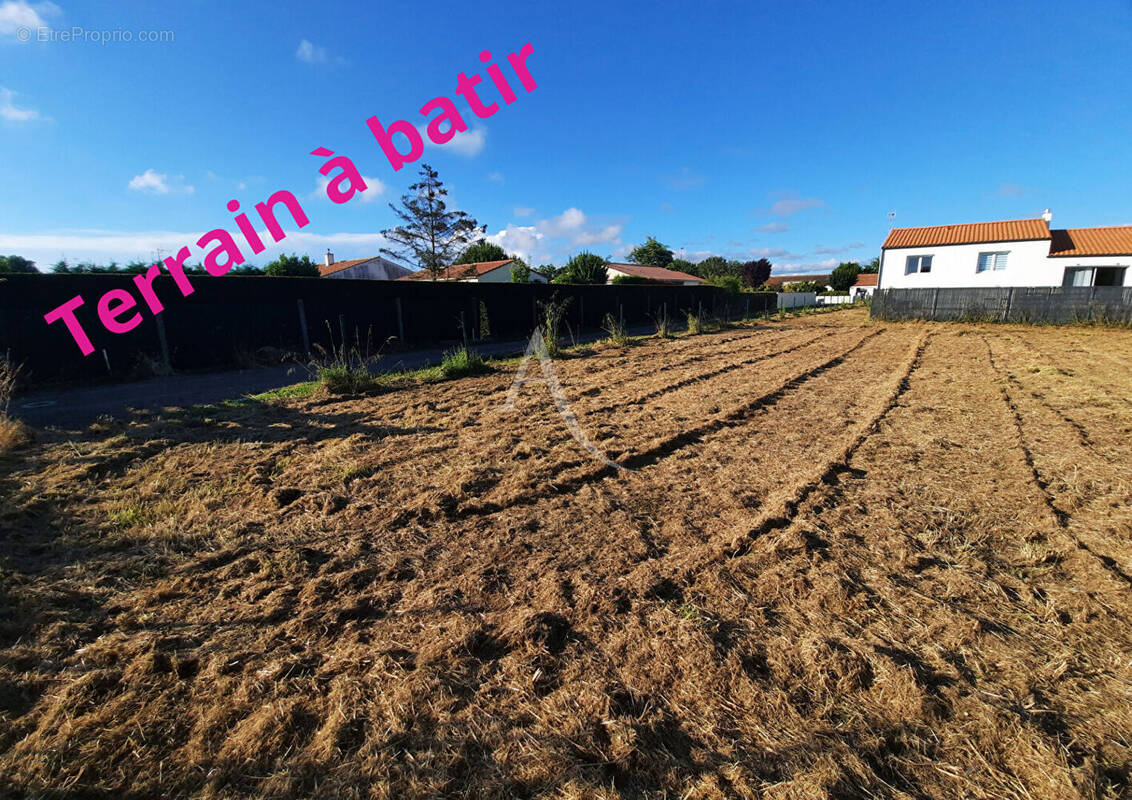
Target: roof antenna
{"points": [[1047, 215], [891, 217]]}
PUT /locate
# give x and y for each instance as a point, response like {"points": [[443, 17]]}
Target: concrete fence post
{"points": [[164, 343], [303, 328], [1009, 304], [400, 320], [935, 302]]}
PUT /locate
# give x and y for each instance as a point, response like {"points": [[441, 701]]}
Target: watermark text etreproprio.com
{"points": [[77, 33]]}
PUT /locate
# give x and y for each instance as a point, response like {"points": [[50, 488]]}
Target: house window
{"points": [[1094, 276], [988, 261], [915, 264]]}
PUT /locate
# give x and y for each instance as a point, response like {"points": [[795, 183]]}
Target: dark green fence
{"points": [[1039, 304], [227, 321]]}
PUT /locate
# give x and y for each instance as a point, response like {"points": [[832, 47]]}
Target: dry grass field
{"points": [[854, 560]]}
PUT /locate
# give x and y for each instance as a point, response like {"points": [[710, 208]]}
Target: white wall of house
{"points": [[954, 266], [501, 275]]}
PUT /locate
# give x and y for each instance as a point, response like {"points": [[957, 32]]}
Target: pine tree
{"points": [[430, 236]]}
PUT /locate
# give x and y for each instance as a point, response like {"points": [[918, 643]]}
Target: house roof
{"points": [[1112, 241], [338, 266], [866, 279], [1018, 230], [653, 273], [459, 271], [780, 280]]}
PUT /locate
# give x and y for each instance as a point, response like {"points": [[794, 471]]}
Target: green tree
{"points": [[652, 253], [548, 271], [482, 250], [844, 276], [520, 271], [755, 273], [682, 265], [804, 286], [733, 284], [710, 266], [583, 268], [292, 266], [430, 235], [61, 267], [872, 268], [13, 264]]}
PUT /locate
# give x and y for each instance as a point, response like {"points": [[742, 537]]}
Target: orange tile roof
{"points": [[459, 271], [1112, 241], [1019, 230], [654, 273], [867, 279]]}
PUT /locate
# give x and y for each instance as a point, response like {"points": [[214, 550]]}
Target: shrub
{"points": [[732, 284], [461, 362], [622, 280], [346, 370], [616, 330], [345, 378], [583, 268], [701, 322], [663, 325], [552, 313], [9, 372]]}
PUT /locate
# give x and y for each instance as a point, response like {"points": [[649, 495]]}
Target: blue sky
{"points": [[788, 130]]}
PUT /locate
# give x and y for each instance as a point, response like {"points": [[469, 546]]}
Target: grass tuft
{"points": [[461, 362]]}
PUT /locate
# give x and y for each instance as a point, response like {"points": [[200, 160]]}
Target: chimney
{"points": [[1047, 215], [329, 258]]}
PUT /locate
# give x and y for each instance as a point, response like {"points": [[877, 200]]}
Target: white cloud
{"points": [[13, 114], [523, 211], [524, 241], [803, 267], [153, 182], [829, 251], [310, 53], [374, 189], [773, 227], [495, 177], [608, 234], [16, 14], [465, 143], [568, 222], [789, 203]]}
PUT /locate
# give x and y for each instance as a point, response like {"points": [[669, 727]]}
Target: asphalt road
{"points": [[78, 407]]}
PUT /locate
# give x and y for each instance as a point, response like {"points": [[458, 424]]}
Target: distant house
{"points": [[374, 268], [658, 274], [1024, 252], [479, 272], [865, 286], [782, 280]]}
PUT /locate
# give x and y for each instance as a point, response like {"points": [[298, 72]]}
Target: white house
{"points": [[865, 286], [1011, 253], [374, 268], [479, 272], [657, 274]]}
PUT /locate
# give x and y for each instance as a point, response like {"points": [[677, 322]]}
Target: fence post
{"points": [[303, 328], [935, 301], [400, 321], [1009, 304], [342, 330], [164, 343]]}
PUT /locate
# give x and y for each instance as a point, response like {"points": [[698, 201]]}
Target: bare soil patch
{"points": [[854, 560]]}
